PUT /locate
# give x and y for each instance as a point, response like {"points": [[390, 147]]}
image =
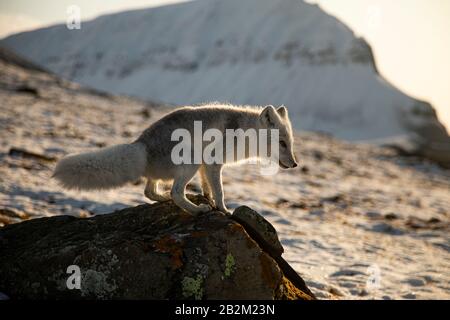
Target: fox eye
{"points": [[283, 144]]}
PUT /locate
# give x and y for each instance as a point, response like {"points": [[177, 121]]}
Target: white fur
{"points": [[150, 155], [106, 168]]}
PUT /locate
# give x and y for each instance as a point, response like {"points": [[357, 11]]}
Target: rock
{"points": [[387, 229], [304, 169], [336, 291], [432, 223], [428, 139], [415, 282], [251, 219], [28, 90], [431, 138], [373, 214], [19, 152], [409, 296], [152, 251], [346, 272], [13, 213], [10, 215], [391, 216], [146, 113]]}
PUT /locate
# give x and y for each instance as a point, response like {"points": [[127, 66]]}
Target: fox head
{"points": [[272, 118]]}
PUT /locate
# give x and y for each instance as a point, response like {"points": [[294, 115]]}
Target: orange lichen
{"points": [[234, 228], [290, 292], [168, 244]]}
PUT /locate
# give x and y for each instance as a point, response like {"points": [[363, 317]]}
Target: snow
{"points": [[240, 51], [356, 221]]}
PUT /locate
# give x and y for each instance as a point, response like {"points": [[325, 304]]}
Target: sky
{"points": [[410, 38]]}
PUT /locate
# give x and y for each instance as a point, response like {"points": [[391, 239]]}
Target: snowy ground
{"points": [[357, 221]]}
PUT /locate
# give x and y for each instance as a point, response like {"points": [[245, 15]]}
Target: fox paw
{"points": [[202, 208], [224, 210]]}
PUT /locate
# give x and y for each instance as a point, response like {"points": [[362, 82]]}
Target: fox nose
{"points": [[294, 165]]}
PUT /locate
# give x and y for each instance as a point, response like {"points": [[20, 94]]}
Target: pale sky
{"points": [[410, 38]]}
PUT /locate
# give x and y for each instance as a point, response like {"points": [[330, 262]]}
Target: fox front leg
{"points": [[214, 176]]}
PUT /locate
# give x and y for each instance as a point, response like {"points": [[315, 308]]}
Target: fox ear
{"points": [[268, 115], [282, 111]]}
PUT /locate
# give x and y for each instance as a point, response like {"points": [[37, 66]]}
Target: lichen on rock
{"points": [[151, 251], [192, 287], [229, 265]]}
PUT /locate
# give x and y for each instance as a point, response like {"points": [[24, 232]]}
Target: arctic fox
{"points": [[150, 155]]}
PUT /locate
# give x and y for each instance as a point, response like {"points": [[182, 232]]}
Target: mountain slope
{"points": [[11, 58], [242, 51]]}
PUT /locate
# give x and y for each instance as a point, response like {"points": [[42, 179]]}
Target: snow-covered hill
{"points": [[241, 51]]}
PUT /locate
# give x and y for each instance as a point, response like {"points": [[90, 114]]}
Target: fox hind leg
{"points": [[178, 192], [151, 191], [205, 185]]}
